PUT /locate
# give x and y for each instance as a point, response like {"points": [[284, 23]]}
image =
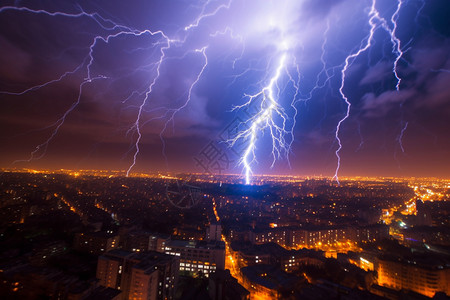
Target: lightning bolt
{"points": [[86, 65], [400, 137], [41, 149], [396, 42], [375, 20], [136, 125], [203, 14], [263, 120], [188, 99], [39, 86], [165, 43]]}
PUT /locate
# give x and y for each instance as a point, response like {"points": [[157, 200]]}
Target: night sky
{"points": [[388, 132]]}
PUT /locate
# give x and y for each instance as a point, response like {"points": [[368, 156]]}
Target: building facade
{"points": [[411, 275], [198, 257], [145, 275]]}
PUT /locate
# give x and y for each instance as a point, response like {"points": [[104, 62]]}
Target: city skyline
{"points": [[89, 234], [222, 51]]}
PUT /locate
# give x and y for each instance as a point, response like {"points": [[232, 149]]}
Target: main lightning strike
{"points": [[263, 120]]}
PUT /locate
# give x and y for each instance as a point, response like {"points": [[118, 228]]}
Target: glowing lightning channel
{"points": [[88, 62], [94, 16], [108, 25], [400, 137], [42, 148], [348, 60], [396, 42], [204, 15], [39, 86], [264, 119], [137, 126], [188, 99], [190, 27], [374, 20]]}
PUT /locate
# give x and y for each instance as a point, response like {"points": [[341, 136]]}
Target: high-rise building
{"points": [[144, 275], [214, 232], [198, 256], [425, 276], [372, 233], [138, 241], [95, 242]]}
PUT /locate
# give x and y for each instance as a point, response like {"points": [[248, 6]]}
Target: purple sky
{"points": [[242, 41]]}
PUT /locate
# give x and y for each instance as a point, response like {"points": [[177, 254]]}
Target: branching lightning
{"points": [[396, 43], [263, 120], [173, 112], [281, 72], [137, 126], [375, 20]]}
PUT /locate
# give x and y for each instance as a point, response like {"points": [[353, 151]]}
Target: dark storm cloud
{"points": [[14, 61], [378, 72], [379, 106], [426, 82]]}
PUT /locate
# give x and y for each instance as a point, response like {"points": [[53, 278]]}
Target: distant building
{"points": [[329, 236], [423, 214], [42, 253], [372, 233], [189, 232], [145, 275], [28, 282], [214, 232], [309, 237], [198, 256], [268, 281], [158, 242], [270, 235], [312, 236], [138, 241], [246, 254], [95, 242], [239, 233], [436, 235]]}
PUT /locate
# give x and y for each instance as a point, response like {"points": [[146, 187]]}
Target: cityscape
{"points": [[101, 235], [225, 149]]}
